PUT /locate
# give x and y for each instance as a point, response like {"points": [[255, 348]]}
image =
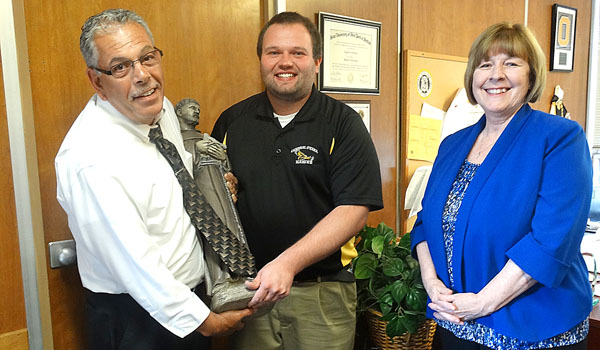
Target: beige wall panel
{"points": [[449, 27], [384, 124], [12, 301], [573, 83], [209, 50]]}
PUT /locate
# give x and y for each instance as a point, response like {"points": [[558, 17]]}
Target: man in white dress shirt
{"points": [[138, 255]]}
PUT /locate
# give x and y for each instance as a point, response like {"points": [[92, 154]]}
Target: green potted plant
{"points": [[389, 284]]}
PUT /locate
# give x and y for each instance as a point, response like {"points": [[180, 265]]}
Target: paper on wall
{"points": [[460, 114], [430, 111], [423, 137], [416, 190]]}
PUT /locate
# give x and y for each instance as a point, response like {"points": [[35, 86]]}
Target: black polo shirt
{"points": [[292, 177]]}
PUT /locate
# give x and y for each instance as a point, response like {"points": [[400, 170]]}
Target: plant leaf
{"points": [[377, 245], [390, 239], [395, 327], [383, 229], [393, 267], [415, 313], [385, 309], [390, 250], [415, 274], [399, 290], [386, 298], [369, 231], [405, 241], [412, 263], [422, 297], [418, 285], [411, 323], [365, 266], [386, 303], [388, 317], [416, 299]]}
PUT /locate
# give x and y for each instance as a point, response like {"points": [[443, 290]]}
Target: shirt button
{"points": [[277, 151]]}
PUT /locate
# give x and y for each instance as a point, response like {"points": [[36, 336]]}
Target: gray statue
{"points": [[211, 168]]}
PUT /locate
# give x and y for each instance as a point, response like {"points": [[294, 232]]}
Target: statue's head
{"points": [[188, 110]]}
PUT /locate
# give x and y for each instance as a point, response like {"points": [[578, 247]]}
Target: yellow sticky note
{"points": [[423, 137]]}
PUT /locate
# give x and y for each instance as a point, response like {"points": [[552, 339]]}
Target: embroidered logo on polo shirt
{"points": [[303, 154]]}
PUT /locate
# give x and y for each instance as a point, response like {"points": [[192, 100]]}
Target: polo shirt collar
{"points": [[307, 112], [264, 108]]}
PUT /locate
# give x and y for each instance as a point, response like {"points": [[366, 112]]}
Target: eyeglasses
{"points": [[119, 70]]}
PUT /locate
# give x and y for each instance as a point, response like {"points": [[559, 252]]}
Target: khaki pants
{"points": [[316, 315]]}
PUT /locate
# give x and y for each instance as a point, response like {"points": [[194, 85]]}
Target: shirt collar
{"points": [[265, 109], [138, 129]]}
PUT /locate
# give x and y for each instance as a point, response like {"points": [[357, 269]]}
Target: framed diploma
{"points": [[351, 54], [563, 38]]}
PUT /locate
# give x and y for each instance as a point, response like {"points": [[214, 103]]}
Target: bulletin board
{"points": [[430, 78]]}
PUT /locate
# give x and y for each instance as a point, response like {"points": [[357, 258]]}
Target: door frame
{"points": [[21, 132]]}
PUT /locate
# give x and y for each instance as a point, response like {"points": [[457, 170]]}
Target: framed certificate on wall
{"points": [[351, 54]]}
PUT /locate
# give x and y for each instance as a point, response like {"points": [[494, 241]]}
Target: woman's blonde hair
{"points": [[514, 40]]}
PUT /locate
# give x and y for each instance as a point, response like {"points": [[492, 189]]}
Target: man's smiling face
{"points": [[287, 65], [139, 94]]}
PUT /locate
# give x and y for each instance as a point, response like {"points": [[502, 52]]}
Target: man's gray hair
{"points": [[103, 23]]}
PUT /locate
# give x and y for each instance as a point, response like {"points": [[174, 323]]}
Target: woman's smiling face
{"points": [[500, 85]]}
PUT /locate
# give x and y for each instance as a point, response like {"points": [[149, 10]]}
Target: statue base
{"points": [[233, 295]]}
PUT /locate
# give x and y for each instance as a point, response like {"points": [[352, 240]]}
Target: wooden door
{"points": [[13, 323], [209, 51]]}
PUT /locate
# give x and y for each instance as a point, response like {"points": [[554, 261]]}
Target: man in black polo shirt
{"points": [[308, 176]]}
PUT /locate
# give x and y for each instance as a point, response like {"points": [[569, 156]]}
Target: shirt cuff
{"points": [[417, 235], [193, 315], [530, 256]]}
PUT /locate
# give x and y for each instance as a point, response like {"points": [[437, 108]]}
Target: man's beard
{"points": [[290, 93]]}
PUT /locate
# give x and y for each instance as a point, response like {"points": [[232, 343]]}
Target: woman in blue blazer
{"points": [[505, 211]]}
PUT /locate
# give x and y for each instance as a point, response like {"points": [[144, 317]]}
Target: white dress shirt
{"points": [[125, 210]]}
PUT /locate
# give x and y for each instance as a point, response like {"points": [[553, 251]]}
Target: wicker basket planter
{"points": [[422, 340]]}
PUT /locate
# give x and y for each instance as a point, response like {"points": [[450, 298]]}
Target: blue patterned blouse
{"points": [[472, 330]]}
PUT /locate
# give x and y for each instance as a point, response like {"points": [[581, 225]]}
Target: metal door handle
{"points": [[62, 253]]}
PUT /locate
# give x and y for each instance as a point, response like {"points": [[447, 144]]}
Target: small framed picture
{"points": [[363, 108], [563, 38]]}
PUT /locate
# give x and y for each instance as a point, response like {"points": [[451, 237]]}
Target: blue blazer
{"points": [[529, 202]]}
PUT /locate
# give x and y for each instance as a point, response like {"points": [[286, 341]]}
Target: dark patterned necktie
{"points": [[234, 253]]}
